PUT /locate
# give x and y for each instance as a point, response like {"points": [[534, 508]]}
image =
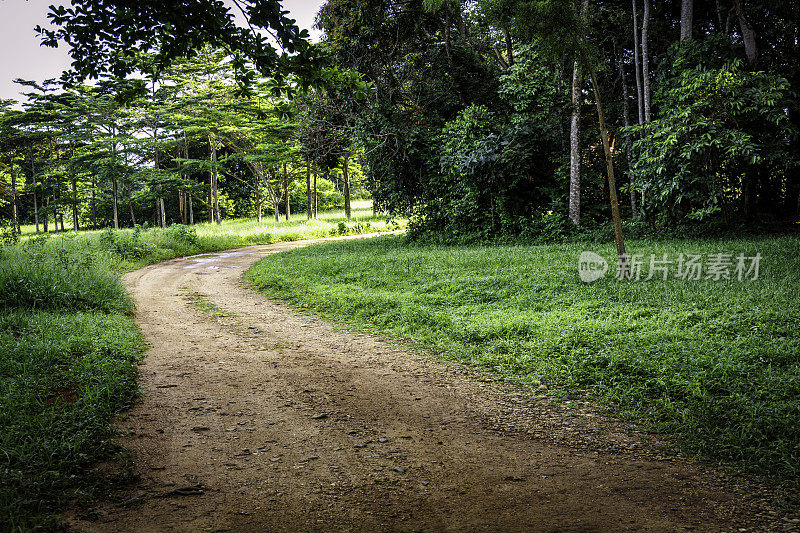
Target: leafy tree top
{"points": [[98, 31]]}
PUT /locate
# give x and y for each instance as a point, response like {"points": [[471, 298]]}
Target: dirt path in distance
{"points": [[257, 418]]}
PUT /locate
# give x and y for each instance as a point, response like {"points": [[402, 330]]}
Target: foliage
{"points": [[98, 30], [56, 274], [718, 126], [497, 167], [712, 363], [9, 232]]}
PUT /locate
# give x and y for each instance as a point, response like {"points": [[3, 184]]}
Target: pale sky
{"points": [[22, 57]]}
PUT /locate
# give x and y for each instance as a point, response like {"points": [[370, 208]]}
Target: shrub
{"points": [[9, 232]]}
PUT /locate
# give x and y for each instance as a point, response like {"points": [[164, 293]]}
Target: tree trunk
{"points": [[94, 210], [626, 119], [346, 178], [646, 61], [75, 225], [35, 206], [114, 201], [309, 207], [286, 192], [748, 35], [214, 184], [687, 12], [612, 184], [191, 211], [575, 147], [46, 220], [315, 195], [509, 46], [130, 203], [575, 137], [14, 212], [162, 216], [638, 64]]}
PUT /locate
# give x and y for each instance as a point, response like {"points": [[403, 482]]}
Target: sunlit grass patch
{"points": [[715, 363]]}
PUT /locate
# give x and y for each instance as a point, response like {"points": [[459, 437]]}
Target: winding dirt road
{"points": [[257, 418]]}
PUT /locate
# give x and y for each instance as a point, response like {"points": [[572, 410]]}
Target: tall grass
{"points": [[714, 363], [63, 274], [68, 352]]}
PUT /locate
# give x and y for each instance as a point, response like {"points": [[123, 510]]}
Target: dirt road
{"points": [[257, 418]]}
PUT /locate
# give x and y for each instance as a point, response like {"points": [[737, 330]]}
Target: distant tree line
{"points": [[181, 145], [478, 118]]}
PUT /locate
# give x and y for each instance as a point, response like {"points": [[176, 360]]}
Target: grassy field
{"points": [[714, 363], [69, 348]]}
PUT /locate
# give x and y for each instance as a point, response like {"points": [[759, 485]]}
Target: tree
{"points": [[98, 30]]}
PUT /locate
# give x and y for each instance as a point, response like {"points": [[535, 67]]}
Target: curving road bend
{"points": [[257, 418]]}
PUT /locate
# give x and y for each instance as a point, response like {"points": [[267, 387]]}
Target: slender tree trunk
{"points": [[210, 199], [687, 12], [637, 60], [509, 46], [114, 187], [46, 221], [575, 147], [288, 209], [75, 225], [214, 184], [309, 207], [35, 207], [646, 60], [346, 186], [114, 176], [160, 211], [315, 195], [612, 184], [626, 119], [94, 210], [191, 210], [575, 137], [130, 203], [748, 35], [14, 212]]}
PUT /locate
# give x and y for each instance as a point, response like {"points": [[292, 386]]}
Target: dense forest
{"points": [[478, 119]]}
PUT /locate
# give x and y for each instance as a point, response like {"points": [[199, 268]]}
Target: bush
{"points": [[181, 234], [127, 244], [719, 129], [57, 274], [9, 232]]}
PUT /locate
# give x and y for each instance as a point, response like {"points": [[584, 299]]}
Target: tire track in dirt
{"points": [[256, 418]]}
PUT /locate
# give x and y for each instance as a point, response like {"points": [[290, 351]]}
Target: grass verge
{"points": [[68, 354], [714, 363], [69, 349]]}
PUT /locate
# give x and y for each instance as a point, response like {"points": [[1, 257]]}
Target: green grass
{"points": [[715, 364], [68, 353], [69, 348], [129, 249]]}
